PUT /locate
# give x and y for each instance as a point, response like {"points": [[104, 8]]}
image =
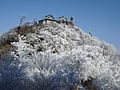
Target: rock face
{"points": [[58, 57]]}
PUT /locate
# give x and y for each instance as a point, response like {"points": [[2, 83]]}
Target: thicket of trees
{"points": [[58, 57]]}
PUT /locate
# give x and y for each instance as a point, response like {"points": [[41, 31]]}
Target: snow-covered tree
{"points": [[59, 57]]}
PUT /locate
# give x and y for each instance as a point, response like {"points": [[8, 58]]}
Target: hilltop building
{"points": [[61, 20], [47, 20]]}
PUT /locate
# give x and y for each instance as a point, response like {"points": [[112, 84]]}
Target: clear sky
{"points": [[100, 17]]}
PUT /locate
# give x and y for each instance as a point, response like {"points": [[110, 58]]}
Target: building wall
{"points": [[48, 21]]}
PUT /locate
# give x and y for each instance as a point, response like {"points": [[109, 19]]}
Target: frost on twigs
{"points": [[59, 57]]}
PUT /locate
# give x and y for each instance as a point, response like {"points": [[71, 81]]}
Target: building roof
{"points": [[49, 17], [62, 18]]}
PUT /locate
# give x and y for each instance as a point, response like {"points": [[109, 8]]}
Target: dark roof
{"points": [[63, 18], [49, 17], [49, 20]]}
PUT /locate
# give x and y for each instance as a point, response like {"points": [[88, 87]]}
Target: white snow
{"points": [[58, 57]]}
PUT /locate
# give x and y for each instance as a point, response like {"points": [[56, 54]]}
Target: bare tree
{"points": [[21, 19]]}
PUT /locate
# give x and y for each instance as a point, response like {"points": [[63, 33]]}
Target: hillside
{"points": [[56, 56]]}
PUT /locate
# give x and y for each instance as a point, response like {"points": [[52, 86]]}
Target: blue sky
{"points": [[100, 17]]}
